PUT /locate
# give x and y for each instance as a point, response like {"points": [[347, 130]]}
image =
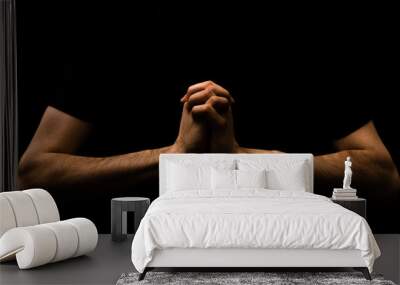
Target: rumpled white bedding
{"points": [[250, 218]]}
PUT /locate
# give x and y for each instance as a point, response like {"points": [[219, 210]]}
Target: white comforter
{"points": [[250, 219]]}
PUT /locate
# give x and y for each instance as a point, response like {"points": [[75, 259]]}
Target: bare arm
{"points": [[372, 163], [373, 166], [50, 159]]}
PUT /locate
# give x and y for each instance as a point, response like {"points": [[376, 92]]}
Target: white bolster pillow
{"points": [[26, 208], [33, 246], [87, 235], [23, 208], [67, 240], [7, 219], [45, 205], [40, 244]]}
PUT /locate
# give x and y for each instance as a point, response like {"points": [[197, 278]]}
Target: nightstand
{"points": [[119, 209], [358, 205]]}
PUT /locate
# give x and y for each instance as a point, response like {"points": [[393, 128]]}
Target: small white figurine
{"points": [[347, 173]]}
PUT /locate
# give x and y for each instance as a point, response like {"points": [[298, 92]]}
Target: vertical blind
{"points": [[8, 96]]}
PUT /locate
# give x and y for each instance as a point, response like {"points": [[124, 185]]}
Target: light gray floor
{"points": [[110, 260], [389, 262]]}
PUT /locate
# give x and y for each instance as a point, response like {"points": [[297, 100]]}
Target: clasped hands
{"points": [[206, 121]]}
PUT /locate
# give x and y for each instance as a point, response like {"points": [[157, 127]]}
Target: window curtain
{"points": [[8, 96]]}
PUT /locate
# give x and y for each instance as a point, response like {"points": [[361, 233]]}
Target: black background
{"points": [[317, 56]]}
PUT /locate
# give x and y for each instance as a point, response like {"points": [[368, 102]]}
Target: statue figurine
{"points": [[347, 173]]}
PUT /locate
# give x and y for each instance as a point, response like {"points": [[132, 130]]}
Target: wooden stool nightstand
{"points": [[358, 205]]}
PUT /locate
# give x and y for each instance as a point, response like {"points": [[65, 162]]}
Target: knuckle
{"points": [[213, 99], [208, 91], [224, 100], [196, 110], [210, 83], [208, 107]]}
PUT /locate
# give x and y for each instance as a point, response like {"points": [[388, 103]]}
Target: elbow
{"points": [[376, 170], [394, 179], [389, 174], [390, 184], [29, 172]]}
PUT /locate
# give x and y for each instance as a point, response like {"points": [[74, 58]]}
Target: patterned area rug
{"points": [[231, 278]]}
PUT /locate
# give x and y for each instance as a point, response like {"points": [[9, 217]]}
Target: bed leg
{"points": [[142, 275], [364, 271]]}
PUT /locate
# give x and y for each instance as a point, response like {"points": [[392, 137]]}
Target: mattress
{"points": [[251, 219]]}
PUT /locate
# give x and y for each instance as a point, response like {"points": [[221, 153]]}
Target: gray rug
{"points": [[232, 278]]}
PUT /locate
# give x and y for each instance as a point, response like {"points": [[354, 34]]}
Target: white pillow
{"points": [[186, 174], [251, 179], [237, 179], [288, 179], [187, 177], [223, 179], [282, 174]]}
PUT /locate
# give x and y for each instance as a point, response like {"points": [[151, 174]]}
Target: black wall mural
{"points": [[299, 85]]}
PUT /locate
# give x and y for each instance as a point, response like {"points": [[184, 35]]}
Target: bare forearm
{"points": [[240, 149], [372, 171], [66, 171]]}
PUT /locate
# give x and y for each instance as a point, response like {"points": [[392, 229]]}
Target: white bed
{"points": [[265, 226]]}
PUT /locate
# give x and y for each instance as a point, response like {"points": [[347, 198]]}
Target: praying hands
{"points": [[52, 159], [206, 122]]}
